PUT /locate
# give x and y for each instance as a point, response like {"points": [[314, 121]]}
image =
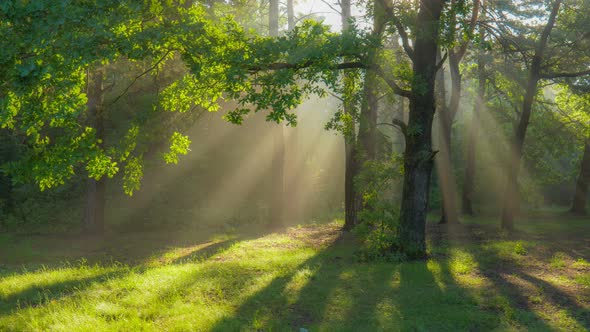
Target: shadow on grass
{"points": [[509, 281], [38, 295], [208, 250], [271, 307], [333, 291]]}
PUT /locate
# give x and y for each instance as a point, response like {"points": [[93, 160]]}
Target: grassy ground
{"points": [[476, 279]]}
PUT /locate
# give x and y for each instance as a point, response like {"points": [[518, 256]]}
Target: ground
{"points": [[475, 279]]}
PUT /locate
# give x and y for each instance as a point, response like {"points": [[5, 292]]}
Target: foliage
{"points": [[380, 215]]}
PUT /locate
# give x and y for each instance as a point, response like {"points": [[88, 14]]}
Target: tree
{"points": [[456, 53], [418, 156], [546, 52], [573, 104], [582, 183]]}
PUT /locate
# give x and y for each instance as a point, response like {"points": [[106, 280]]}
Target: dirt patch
{"points": [[317, 236]]}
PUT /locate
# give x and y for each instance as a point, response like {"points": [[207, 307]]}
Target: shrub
{"points": [[379, 218]]}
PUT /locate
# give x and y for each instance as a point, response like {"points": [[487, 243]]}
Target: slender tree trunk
{"points": [[290, 15], [367, 136], [447, 178], [511, 196], [351, 199], [351, 204], [468, 184], [278, 160], [370, 104], [293, 156], [581, 193], [418, 161], [444, 160], [95, 199]]}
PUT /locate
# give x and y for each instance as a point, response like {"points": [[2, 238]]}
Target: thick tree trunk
{"points": [[468, 184], [511, 196], [278, 160], [581, 193], [418, 159], [95, 196]]}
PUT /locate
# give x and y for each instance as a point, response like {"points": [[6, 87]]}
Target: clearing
{"points": [[476, 279]]}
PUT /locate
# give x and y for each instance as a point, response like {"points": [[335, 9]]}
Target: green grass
{"points": [[303, 278]]}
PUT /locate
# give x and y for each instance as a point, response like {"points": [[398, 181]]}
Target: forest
{"points": [[294, 165]]}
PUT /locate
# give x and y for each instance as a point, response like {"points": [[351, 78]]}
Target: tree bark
{"points": [[95, 196], [581, 193], [418, 159], [511, 197]]}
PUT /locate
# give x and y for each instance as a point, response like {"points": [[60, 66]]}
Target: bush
{"points": [[379, 218]]}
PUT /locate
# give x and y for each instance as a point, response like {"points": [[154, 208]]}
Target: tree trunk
{"points": [[447, 178], [95, 199], [418, 159], [290, 15], [351, 203], [468, 184], [581, 193], [278, 159], [367, 135], [511, 197]]}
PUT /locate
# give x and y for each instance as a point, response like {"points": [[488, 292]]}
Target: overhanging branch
{"points": [[565, 75], [306, 64], [399, 27], [391, 83]]}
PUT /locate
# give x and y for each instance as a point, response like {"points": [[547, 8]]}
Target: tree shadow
{"points": [[334, 291], [207, 250], [516, 292], [38, 295], [271, 306], [429, 296]]}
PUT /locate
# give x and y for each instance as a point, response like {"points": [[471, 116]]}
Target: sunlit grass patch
{"points": [[581, 264], [510, 250], [584, 280], [306, 277], [558, 260]]}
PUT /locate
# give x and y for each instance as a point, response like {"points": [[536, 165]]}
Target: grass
{"points": [[305, 277]]}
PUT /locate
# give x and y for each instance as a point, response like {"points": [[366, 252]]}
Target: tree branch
{"points": [[399, 27], [441, 62], [472, 23], [391, 83], [565, 75], [308, 63], [398, 124], [140, 76]]}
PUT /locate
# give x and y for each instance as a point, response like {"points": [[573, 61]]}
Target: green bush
{"points": [[379, 218]]}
